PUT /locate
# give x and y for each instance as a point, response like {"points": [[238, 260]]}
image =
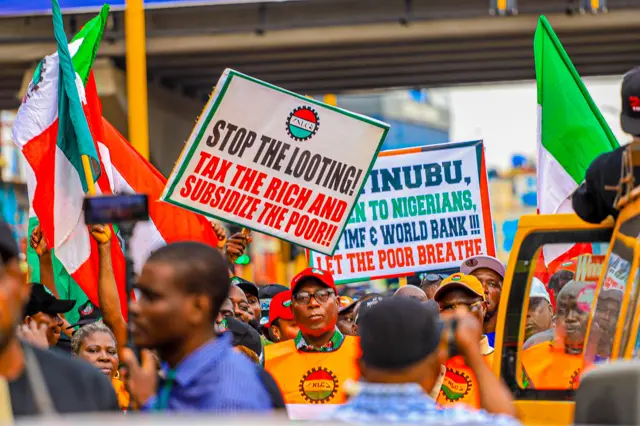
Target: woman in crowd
{"points": [[96, 344]]}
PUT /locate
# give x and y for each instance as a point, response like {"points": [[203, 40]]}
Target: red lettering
{"points": [[293, 219], [439, 254], [338, 260], [186, 189], [239, 170], [451, 257], [218, 196], [431, 256], [478, 245], [422, 255], [272, 189], [204, 156]]}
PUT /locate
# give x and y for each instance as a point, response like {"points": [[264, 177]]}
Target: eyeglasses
{"points": [[454, 306], [304, 297]]}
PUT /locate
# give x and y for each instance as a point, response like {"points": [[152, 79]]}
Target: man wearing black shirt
{"points": [[41, 382], [594, 200]]}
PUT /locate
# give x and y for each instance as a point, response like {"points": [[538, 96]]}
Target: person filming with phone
{"points": [[465, 292], [403, 348]]}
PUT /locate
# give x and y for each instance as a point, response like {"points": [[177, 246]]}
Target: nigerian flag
{"points": [[571, 129], [54, 134]]}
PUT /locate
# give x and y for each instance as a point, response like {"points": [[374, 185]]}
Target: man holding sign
{"points": [[311, 370]]}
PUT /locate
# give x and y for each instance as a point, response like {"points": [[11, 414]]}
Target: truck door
{"points": [[540, 340]]}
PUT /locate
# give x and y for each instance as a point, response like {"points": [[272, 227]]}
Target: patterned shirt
{"points": [[408, 403], [332, 345], [214, 378]]}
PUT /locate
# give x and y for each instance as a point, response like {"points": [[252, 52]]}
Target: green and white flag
{"points": [[571, 129]]}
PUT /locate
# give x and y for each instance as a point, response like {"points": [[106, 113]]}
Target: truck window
{"points": [[631, 312], [569, 283], [556, 315], [629, 228], [607, 308]]}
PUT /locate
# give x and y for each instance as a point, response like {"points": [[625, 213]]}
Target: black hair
{"points": [[199, 269], [554, 281], [268, 332]]}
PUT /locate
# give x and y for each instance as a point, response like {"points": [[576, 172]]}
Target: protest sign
{"points": [[276, 162], [422, 209]]}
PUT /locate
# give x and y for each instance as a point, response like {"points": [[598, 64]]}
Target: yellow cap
{"points": [[345, 301], [460, 280]]}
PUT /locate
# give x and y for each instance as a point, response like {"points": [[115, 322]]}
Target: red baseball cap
{"points": [[323, 277], [280, 307]]}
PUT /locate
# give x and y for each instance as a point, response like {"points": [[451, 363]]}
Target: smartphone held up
{"points": [[118, 209]]}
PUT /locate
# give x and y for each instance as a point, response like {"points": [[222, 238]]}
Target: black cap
{"points": [[43, 301], [8, 246], [244, 335], [89, 313], [367, 304], [269, 291], [266, 293], [630, 93], [398, 332], [247, 286]]}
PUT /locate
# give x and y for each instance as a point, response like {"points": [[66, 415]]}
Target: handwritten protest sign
{"points": [[422, 209], [276, 162]]}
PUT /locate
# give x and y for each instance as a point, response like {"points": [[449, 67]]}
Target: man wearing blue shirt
{"points": [[403, 346], [181, 289]]}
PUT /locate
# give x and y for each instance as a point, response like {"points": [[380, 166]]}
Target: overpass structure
{"points": [[324, 46]]}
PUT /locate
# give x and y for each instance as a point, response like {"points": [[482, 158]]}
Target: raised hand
{"points": [[101, 233], [38, 242]]}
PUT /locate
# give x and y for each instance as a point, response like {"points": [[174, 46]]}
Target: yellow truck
{"points": [[609, 267]]}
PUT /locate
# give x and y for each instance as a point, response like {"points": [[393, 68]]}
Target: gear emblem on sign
{"points": [[303, 123], [319, 385]]}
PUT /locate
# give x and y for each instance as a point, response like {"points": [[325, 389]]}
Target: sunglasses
{"points": [[304, 297], [432, 277]]}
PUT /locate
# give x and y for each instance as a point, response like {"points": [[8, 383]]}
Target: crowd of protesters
{"points": [[209, 341]]}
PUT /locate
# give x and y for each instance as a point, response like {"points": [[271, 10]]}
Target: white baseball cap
{"points": [[482, 261], [539, 290]]}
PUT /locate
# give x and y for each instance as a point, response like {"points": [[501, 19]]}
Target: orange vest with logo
{"points": [[549, 367], [312, 377], [459, 385]]}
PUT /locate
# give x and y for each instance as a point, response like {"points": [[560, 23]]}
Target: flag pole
{"points": [[88, 175]]}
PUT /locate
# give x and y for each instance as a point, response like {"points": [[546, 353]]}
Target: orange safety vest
{"points": [[313, 377], [459, 385], [547, 366]]}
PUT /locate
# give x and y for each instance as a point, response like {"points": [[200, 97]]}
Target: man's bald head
{"points": [[413, 292], [572, 315], [571, 289]]}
